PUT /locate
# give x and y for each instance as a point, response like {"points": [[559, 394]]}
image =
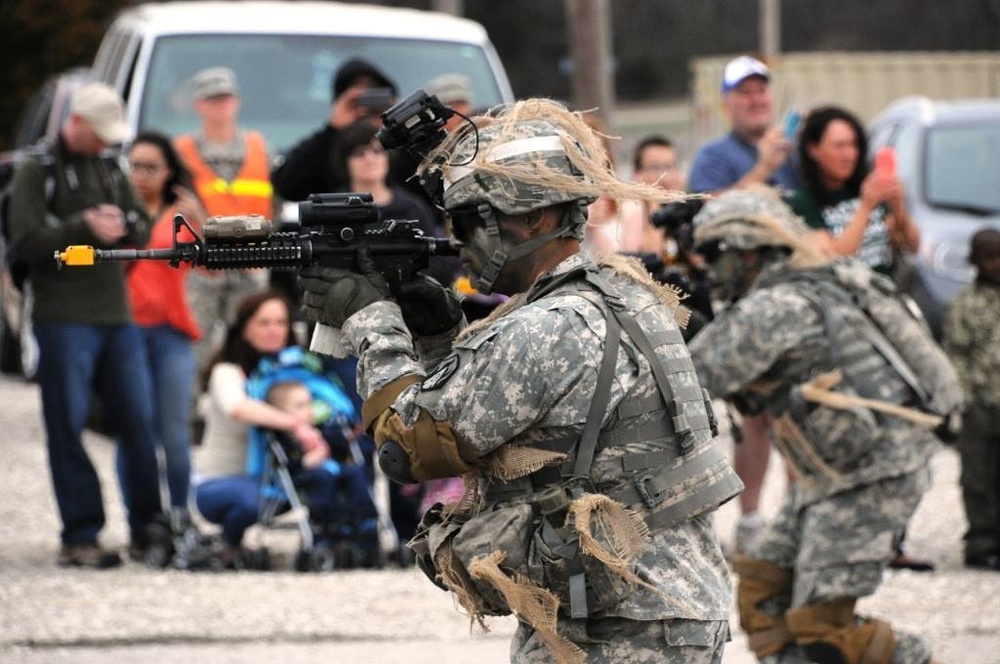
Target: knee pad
{"points": [[830, 633], [763, 595]]}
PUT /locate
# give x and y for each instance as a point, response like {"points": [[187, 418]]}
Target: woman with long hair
{"points": [[854, 209], [229, 496], [160, 306]]}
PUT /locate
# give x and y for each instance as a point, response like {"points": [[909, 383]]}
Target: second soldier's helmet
{"points": [[747, 219]]}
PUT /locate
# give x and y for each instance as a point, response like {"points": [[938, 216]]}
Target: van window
{"points": [[963, 167], [285, 80]]}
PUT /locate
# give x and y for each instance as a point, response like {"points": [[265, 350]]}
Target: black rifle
{"points": [[330, 230]]}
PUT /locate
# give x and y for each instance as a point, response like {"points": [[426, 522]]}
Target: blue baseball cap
{"points": [[742, 68]]}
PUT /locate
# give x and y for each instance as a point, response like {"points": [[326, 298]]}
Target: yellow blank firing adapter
{"points": [[77, 254]]}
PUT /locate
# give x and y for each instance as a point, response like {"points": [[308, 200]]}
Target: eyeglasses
{"points": [[363, 150], [464, 220], [145, 167], [658, 168]]}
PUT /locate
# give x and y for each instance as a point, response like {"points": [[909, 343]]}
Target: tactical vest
{"points": [[249, 193], [687, 475], [883, 353]]}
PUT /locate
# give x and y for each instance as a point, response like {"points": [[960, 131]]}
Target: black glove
{"points": [[332, 295], [428, 307]]}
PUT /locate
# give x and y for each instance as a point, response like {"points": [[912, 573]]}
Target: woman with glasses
{"points": [[160, 307]]}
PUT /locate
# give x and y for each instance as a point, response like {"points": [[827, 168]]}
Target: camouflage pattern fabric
{"points": [[774, 339], [529, 376], [748, 219], [535, 145], [618, 641], [910, 649], [972, 341], [839, 547]]}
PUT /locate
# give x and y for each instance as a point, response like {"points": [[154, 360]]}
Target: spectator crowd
{"points": [[197, 370]]}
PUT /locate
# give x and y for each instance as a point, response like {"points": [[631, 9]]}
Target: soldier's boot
{"points": [[763, 595], [830, 633]]}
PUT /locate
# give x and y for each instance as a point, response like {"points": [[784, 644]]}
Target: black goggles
{"points": [[463, 220], [711, 251]]}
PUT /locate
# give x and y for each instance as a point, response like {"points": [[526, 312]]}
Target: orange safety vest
{"points": [[249, 193]]}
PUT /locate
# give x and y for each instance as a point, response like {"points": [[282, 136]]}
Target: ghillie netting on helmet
{"points": [[576, 169]]}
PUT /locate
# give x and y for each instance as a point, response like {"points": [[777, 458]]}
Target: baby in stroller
{"points": [[342, 515], [277, 471]]}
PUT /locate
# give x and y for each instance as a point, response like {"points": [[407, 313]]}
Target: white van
{"points": [[284, 55]]}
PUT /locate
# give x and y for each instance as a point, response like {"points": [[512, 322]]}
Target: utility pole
{"points": [[592, 81], [769, 27]]}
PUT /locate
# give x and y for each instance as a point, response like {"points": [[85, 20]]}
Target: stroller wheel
{"points": [[157, 556], [159, 545], [257, 559], [404, 557], [322, 559]]}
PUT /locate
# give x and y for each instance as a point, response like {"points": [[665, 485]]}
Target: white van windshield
{"points": [[285, 80]]}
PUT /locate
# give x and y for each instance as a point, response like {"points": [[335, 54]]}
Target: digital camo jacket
{"points": [[529, 376], [770, 342], [972, 341]]}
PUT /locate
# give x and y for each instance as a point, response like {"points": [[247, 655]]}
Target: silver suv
{"points": [[948, 155]]}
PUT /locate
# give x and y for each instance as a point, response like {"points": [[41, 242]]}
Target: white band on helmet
{"points": [[551, 144]]}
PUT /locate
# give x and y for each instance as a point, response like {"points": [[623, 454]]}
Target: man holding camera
{"points": [[360, 91], [82, 322]]}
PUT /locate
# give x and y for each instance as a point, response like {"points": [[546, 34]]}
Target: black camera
{"points": [[677, 219], [417, 124]]}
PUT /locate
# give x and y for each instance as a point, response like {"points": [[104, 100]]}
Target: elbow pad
{"points": [[430, 446]]}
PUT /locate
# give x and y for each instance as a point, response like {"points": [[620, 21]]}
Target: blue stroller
{"points": [[339, 527]]}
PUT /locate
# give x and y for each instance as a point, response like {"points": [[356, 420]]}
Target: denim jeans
{"points": [[234, 501], [170, 356], [75, 358]]}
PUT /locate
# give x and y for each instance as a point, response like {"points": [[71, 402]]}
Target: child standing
{"points": [[972, 340]]}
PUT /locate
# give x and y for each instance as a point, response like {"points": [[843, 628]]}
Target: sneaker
{"points": [[88, 555], [748, 530]]}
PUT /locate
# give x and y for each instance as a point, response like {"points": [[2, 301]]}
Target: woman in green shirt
{"points": [[856, 211]]}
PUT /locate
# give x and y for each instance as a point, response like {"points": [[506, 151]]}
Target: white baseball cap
{"points": [[742, 68], [101, 106]]}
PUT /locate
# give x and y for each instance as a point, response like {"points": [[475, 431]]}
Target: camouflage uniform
{"points": [[972, 340], [528, 376], [837, 530]]}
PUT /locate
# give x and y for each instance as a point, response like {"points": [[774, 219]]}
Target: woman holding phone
{"points": [[855, 210]]}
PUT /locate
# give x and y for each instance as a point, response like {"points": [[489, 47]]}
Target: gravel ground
{"points": [[49, 614]]}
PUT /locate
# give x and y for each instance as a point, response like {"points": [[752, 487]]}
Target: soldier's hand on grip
{"points": [[332, 295], [428, 307]]}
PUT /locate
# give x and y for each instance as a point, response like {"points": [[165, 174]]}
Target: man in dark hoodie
{"points": [[308, 167]]}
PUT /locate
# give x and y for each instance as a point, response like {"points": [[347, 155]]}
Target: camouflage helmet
{"points": [[749, 219], [516, 167]]}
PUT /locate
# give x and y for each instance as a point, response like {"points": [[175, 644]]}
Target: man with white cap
{"points": [[87, 341], [753, 151]]}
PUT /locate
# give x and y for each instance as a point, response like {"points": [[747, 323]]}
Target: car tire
{"points": [[27, 344], [10, 349]]}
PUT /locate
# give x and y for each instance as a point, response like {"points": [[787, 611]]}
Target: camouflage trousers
{"points": [[839, 546], [624, 641]]}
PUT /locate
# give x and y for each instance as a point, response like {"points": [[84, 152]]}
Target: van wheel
{"points": [[10, 350], [28, 345]]}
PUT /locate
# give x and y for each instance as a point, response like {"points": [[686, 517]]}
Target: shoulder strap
{"points": [[828, 283]]}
